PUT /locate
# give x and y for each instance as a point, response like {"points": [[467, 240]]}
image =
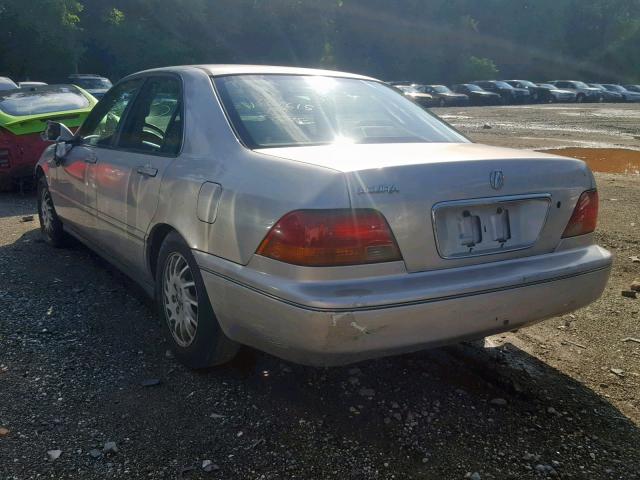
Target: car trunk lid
{"points": [[451, 205]]}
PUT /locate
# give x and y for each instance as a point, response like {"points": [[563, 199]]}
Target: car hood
{"points": [[352, 157]]}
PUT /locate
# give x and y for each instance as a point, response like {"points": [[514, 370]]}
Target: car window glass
{"points": [[47, 99], [155, 121], [294, 110], [102, 124]]}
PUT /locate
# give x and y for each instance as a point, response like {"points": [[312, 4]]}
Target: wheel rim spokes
{"points": [[180, 299], [46, 211]]}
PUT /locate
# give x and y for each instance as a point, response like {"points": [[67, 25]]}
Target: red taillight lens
{"points": [[321, 238], [585, 215]]}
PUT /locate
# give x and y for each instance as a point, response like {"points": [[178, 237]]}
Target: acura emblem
{"points": [[496, 179]]}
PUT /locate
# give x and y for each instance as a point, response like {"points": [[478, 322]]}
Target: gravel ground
{"points": [[85, 377], [597, 125]]}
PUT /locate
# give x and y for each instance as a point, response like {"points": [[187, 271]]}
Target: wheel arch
{"points": [[154, 242]]}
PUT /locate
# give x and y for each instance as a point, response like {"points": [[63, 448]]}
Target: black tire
{"points": [[580, 98], [50, 224], [209, 346], [442, 103]]}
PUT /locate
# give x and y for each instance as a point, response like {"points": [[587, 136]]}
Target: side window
{"points": [[155, 121], [102, 124]]}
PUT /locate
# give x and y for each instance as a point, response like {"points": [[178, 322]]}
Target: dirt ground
{"points": [[82, 364]]}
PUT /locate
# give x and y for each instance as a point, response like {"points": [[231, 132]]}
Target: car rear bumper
{"points": [[340, 322]]}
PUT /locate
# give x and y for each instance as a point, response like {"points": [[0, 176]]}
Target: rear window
{"points": [[45, 99], [296, 110]]}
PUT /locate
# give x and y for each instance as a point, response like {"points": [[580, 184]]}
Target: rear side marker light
{"points": [[585, 215], [321, 238]]}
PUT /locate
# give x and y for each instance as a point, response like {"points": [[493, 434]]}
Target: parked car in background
{"points": [[508, 93], [7, 84], [317, 215], [548, 93], [30, 84], [23, 117], [477, 95], [543, 93], [633, 88], [627, 95], [96, 85], [414, 93], [608, 95], [584, 93], [536, 93], [444, 96]]}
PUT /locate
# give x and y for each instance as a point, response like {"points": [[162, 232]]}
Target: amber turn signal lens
{"points": [[585, 215], [322, 238]]}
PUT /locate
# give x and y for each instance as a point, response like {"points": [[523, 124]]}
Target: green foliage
{"points": [[479, 69], [441, 41]]}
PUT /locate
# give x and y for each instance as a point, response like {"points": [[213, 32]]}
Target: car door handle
{"points": [[147, 171], [91, 157]]}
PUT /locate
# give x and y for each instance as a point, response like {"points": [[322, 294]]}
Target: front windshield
{"points": [[92, 83], [502, 84], [409, 89], [580, 84], [298, 110], [441, 89], [547, 85], [43, 100], [473, 88], [615, 88]]}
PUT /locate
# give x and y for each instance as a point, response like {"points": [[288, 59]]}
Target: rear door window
{"points": [[46, 99]]}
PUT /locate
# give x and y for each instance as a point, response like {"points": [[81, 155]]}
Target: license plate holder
{"points": [[485, 226]]}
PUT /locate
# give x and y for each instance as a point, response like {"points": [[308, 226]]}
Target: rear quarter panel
{"points": [[257, 189]]}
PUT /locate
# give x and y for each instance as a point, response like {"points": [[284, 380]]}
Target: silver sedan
{"points": [[316, 215]]}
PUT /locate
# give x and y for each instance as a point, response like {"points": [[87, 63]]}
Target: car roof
{"points": [[218, 70]]}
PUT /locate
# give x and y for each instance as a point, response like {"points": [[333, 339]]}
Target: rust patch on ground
{"points": [[607, 160]]}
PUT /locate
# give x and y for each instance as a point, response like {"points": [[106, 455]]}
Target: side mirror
{"points": [[56, 132]]}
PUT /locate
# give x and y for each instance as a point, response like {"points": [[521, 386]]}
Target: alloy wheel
{"points": [[180, 299]]}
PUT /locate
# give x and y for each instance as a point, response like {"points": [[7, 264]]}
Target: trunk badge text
{"points": [[496, 179], [378, 189]]}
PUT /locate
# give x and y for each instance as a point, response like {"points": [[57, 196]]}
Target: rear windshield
{"points": [[44, 99], [297, 110]]}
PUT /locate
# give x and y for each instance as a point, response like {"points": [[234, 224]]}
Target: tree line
{"points": [[432, 41]]}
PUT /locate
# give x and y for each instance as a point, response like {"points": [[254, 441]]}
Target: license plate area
{"points": [[468, 228]]}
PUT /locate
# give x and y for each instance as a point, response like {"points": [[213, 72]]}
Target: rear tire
{"points": [[580, 98], [50, 224], [184, 309]]}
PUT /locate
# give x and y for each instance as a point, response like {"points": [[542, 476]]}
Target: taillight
{"points": [[321, 238], [585, 215]]}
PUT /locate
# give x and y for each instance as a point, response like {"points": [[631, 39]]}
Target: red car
{"points": [[23, 117]]}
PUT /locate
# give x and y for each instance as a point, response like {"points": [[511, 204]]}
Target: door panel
{"points": [[128, 178], [76, 200]]}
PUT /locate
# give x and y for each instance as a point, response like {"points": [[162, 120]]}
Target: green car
{"points": [[23, 116]]}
